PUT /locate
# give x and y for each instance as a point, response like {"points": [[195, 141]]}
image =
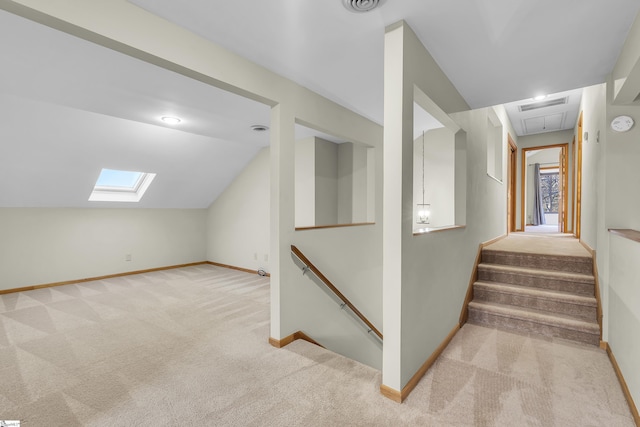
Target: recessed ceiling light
{"points": [[259, 128], [539, 97], [170, 120], [359, 6]]}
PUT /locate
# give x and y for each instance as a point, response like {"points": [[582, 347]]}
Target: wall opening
{"points": [[439, 168], [334, 180]]}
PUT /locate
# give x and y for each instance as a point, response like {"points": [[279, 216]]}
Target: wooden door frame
{"points": [[578, 200], [523, 178], [573, 184], [512, 165], [563, 174]]}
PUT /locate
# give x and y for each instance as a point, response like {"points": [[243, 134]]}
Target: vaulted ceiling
{"points": [[69, 107]]}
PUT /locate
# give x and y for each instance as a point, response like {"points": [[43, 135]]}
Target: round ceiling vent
{"points": [[360, 6]]}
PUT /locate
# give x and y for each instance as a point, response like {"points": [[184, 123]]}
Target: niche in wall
{"points": [[439, 168], [334, 180]]}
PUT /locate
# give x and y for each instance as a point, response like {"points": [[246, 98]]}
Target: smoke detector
{"points": [[360, 6], [259, 128]]}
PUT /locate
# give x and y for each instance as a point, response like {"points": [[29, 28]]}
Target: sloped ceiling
{"points": [[493, 51], [68, 108]]}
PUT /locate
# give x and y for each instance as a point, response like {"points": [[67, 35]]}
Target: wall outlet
{"points": [[127, 257], [266, 257], [255, 256]]}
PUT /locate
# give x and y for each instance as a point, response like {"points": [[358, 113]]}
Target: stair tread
{"points": [[537, 316], [553, 295], [539, 272], [585, 259]]}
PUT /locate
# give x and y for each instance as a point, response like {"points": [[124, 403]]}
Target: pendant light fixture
{"points": [[424, 209]]}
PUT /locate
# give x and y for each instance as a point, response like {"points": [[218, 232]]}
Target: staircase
{"points": [[543, 294]]}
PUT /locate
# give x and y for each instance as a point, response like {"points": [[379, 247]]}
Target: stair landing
{"points": [[540, 244]]}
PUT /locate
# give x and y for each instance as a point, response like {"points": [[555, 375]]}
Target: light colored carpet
{"points": [[561, 244], [189, 347], [545, 229]]}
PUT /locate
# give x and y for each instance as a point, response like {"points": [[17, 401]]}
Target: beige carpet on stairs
{"points": [[189, 347]]}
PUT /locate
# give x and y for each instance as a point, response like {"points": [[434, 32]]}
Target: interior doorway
{"points": [[544, 181]]}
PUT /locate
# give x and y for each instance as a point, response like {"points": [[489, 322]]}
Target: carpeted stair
{"points": [[549, 295]]}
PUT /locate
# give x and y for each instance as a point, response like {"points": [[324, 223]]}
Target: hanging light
{"points": [[424, 209]]}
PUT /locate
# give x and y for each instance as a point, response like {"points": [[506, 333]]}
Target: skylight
{"points": [[120, 186]]}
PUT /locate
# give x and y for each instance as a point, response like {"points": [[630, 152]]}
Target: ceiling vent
{"points": [[359, 6], [543, 104]]}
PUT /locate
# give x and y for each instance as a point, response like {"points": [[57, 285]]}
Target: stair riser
{"points": [[583, 312], [483, 318], [566, 264], [540, 282]]}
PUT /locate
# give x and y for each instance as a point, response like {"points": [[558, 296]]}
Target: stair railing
{"points": [[308, 266]]}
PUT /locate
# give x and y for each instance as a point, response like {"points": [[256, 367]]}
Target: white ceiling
{"points": [[70, 107], [493, 51], [548, 119]]}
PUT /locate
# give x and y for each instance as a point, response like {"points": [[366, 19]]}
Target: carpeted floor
{"points": [[560, 244], [189, 347], [544, 229]]}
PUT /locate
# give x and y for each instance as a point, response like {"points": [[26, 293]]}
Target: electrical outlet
{"points": [[255, 256], [266, 257], [127, 257]]}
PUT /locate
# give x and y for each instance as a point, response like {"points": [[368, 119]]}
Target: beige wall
{"points": [[237, 226], [623, 309], [42, 245], [619, 207], [294, 305], [305, 183], [326, 174], [425, 277], [439, 176]]}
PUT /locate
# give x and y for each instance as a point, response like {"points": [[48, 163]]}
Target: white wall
{"points": [[593, 107], [238, 221], [305, 187], [345, 183], [439, 176], [353, 186], [350, 257], [359, 184], [425, 277], [624, 309], [618, 207], [495, 152], [326, 191], [42, 245], [354, 255]]}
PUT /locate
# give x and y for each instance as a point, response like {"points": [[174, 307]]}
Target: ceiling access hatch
{"points": [[543, 104]]}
